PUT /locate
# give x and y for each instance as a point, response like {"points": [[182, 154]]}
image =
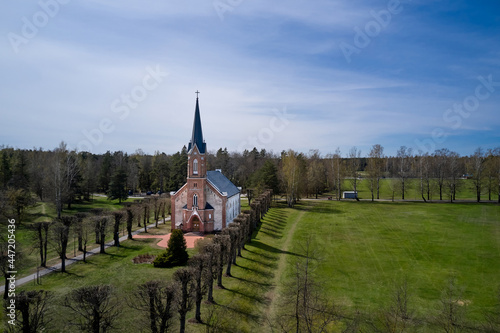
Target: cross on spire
{"points": [[197, 92]]}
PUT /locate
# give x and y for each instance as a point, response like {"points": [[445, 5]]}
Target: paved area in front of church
{"points": [[190, 237]]}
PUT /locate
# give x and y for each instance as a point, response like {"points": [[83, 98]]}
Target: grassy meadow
{"points": [[364, 250]]}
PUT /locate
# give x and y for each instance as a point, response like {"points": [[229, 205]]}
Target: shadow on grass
{"points": [[254, 297], [257, 271], [271, 249], [249, 316], [262, 284], [261, 263]]}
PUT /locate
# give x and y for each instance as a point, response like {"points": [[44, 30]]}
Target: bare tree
{"points": [[375, 168], [31, 311], [316, 174], [118, 216], [60, 237], [336, 173], [199, 266], [130, 221], [95, 307], [451, 316], [156, 299], [303, 307], [354, 164], [403, 168], [224, 242], [42, 233], [399, 316], [184, 277], [101, 227], [211, 250], [476, 166]]}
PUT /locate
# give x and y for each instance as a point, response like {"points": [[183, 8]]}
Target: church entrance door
{"points": [[196, 224]]}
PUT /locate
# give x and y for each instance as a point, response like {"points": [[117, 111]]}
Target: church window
{"points": [[195, 167], [195, 200]]}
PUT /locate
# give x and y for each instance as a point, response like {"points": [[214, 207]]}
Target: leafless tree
{"points": [[198, 263], [60, 237], [404, 156], [42, 234], [130, 220], [184, 277], [451, 316], [95, 307], [224, 243], [316, 173], [336, 172], [375, 169], [211, 250], [303, 307], [118, 216], [31, 311], [156, 300], [476, 167]]}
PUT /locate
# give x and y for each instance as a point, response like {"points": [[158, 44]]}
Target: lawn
{"points": [[366, 248]]}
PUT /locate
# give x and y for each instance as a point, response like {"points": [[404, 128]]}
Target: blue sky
{"points": [[122, 75]]}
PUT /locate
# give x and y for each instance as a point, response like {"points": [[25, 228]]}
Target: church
{"points": [[208, 201]]}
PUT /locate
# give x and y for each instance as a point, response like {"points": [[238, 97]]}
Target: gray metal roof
{"points": [[222, 184]]}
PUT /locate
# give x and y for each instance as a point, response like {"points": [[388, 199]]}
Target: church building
{"points": [[208, 201]]}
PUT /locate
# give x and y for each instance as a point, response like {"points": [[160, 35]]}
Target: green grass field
{"points": [[365, 249]]}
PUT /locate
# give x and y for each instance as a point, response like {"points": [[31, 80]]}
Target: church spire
{"points": [[197, 136]]}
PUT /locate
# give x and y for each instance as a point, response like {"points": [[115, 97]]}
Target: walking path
{"points": [[70, 261], [191, 239]]}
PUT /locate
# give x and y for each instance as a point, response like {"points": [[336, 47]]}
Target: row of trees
{"points": [[95, 308]]}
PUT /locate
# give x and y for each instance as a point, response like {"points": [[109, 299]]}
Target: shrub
{"points": [[176, 253]]}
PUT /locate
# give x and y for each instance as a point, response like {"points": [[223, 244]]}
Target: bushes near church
{"points": [[176, 253]]}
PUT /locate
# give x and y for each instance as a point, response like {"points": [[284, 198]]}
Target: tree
{"points": [[118, 186], [375, 169], [42, 232], [403, 168], [118, 216], [198, 265], [354, 164], [101, 227], [60, 237], [156, 299], [95, 307], [336, 173], [211, 250], [184, 277], [31, 310], [176, 252], [303, 307], [293, 175], [476, 166], [130, 220], [399, 316], [316, 175], [451, 316], [224, 243], [19, 200]]}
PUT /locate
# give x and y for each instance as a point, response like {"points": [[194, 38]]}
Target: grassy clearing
{"points": [[367, 248]]}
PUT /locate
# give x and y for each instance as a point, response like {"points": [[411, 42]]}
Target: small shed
{"points": [[349, 195]]}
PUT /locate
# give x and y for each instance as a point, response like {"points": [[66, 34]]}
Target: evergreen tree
{"points": [[176, 253], [117, 186]]}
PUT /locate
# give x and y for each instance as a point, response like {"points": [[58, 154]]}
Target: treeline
{"points": [[64, 177]]}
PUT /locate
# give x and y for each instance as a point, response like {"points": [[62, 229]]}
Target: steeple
{"points": [[197, 136]]}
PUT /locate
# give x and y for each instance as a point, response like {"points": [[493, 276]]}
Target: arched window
{"points": [[195, 167], [195, 200]]}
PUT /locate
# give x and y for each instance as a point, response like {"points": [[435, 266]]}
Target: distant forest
{"points": [[64, 176]]}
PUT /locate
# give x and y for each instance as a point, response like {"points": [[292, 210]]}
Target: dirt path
{"points": [[281, 266]]}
